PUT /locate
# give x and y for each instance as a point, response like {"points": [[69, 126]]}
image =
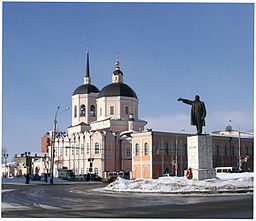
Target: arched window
{"points": [[82, 110], [75, 111], [96, 148], [96, 171], [137, 150], [93, 111], [146, 149]]}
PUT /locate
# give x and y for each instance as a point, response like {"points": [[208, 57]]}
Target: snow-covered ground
{"points": [[225, 182]]}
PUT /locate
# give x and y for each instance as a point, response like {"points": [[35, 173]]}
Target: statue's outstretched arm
{"points": [[185, 101]]}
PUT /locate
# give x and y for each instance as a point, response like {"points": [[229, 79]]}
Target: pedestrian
{"points": [[45, 178], [27, 178]]}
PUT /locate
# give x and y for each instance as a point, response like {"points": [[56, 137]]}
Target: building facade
{"points": [[106, 134]]}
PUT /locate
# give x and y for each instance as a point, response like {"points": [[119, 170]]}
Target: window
{"points": [[87, 149], [96, 171], [61, 151], [66, 151], [93, 111], [185, 150], [137, 151], [112, 110], [166, 149], [73, 150], [77, 149], [146, 149], [82, 149], [101, 111], [128, 151], [75, 111], [82, 110], [82, 171], [233, 150], [247, 151], [157, 149], [126, 110], [76, 171], [96, 148], [217, 150], [226, 151]]}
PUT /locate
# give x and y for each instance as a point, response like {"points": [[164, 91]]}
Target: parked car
{"points": [[226, 170], [124, 175], [112, 176], [95, 177], [35, 177], [81, 177]]}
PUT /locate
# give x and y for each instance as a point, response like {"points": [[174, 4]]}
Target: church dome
{"points": [[117, 89], [86, 89]]}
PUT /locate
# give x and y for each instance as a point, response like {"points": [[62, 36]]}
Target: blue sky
{"points": [[167, 50]]}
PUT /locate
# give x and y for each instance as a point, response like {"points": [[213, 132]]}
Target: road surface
{"points": [[81, 200]]}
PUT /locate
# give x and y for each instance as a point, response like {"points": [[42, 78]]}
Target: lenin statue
{"points": [[198, 112]]}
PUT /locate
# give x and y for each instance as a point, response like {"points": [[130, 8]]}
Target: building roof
{"points": [[86, 89], [117, 89]]}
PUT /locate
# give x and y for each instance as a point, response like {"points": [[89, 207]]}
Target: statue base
{"points": [[200, 157]]}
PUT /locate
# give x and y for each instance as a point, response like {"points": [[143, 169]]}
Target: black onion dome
{"points": [[86, 89], [117, 89], [117, 72]]}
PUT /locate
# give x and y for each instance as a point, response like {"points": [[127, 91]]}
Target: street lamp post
{"points": [[53, 142], [239, 146], [5, 161], [27, 163]]}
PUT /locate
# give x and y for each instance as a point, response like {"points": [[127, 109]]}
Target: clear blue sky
{"points": [[167, 50]]}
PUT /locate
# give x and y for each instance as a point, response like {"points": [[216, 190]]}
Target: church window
{"points": [[112, 110], [137, 150], [82, 149], [82, 110], [96, 171], [96, 148], [87, 148], [77, 149], [93, 111], [126, 110], [128, 151], [73, 150], [66, 151], [75, 111], [146, 149]]}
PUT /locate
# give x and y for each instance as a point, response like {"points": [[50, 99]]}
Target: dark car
{"points": [[95, 177], [35, 177]]}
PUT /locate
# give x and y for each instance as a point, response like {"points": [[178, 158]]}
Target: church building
{"points": [[102, 121]]}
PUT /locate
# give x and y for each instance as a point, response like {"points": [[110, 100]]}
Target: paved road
{"points": [[80, 200]]}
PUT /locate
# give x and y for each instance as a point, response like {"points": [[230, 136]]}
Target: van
{"points": [[226, 170]]}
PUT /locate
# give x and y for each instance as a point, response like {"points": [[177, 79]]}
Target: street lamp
{"points": [[239, 146], [53, 141], [5, 161], [27, 164]]}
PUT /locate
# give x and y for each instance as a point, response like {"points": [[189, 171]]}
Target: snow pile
{"points": [[223, 183]]}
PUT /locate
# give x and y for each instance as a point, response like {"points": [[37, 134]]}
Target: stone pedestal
{"points": [[200, 157]]}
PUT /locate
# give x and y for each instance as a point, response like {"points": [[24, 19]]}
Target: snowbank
{"points": [[239, 182]]}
